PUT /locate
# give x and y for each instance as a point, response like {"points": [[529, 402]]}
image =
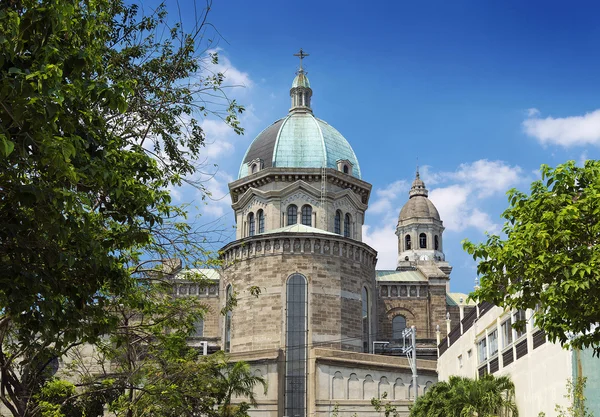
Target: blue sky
{"points": [[481, 93]]}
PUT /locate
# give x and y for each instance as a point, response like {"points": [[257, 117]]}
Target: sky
{"points": [[478, 94]]}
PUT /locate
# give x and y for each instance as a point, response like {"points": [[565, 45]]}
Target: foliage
{"points": [[386, 406], [98, 117], [550, 258], [464, 397], [575, 395]]}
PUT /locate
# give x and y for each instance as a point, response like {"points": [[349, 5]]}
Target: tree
{"points": [[488, 396], [550, 258], [98, 117]]}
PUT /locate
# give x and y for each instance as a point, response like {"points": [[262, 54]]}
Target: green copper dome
{"points": [[301, 80], [299, 140]]}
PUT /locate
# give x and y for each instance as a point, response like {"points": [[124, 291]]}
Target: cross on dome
{"points": [[301, 54]]}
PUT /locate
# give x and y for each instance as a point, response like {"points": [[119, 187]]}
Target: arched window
{"points": [[295, 373], [407, 244], [423, 241], [261, 221], [347, 221], [398, 326], [436, 243], [227, 338], [365, 320], [345, 169], [254, 168], [251, 225], [307, 215], [337, 224], [199, 328], [292, 215]]}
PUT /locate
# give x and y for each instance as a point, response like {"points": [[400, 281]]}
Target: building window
{"points": [[407, 245], [422, 241], [469, 353], [482, 350], [506, 333], [307, 215], [365, 319], [347, 225], [228, 296], [292, 215], [261, 221], [198, 328], [295, 371], [337, 224], [519, 316], [345, 169], [398, 326], [254, 168], [436, 243], [493, 342], [251, 225], [460, 362]]}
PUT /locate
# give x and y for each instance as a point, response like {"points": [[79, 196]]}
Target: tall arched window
{"points": [[423, 241], [398, 326], [345, 169], [347, 222], [199, 328], [292, 214], [407, 244], [261, 221], [307, 215], [251, 225], [254, 168], [295, 373], [436, 243], [337, 224], [366, 328], [227, 338]]}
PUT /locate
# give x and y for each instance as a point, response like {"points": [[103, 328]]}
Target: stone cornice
{"points": [[298, 244], [359, 187], [296, 186]]}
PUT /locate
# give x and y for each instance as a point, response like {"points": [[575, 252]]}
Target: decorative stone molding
{"points": [[298, 243]]}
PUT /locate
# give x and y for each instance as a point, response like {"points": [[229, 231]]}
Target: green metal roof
{"points": [[298, 228], [453, 299], [400, 276], [301, 80], [300, 141]]}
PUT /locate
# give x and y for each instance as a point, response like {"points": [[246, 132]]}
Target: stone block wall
{"points": [[336, 269]]}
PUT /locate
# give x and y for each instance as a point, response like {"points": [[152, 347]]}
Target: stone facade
{"points": [[336, 269]]}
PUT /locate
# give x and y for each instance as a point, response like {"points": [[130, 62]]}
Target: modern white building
{"points": [[484, 341]]}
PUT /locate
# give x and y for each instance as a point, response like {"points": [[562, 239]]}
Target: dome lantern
{"points": [[301, 92]]}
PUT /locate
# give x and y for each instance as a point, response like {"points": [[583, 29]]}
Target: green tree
{"points": [[550, 258], [488, 396], [98, 117]]}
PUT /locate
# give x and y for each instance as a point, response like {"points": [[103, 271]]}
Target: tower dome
{"points": [[418, 205], [300, 140]]}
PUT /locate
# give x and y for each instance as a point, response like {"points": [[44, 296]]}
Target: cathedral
{"points": [[326, 330]]}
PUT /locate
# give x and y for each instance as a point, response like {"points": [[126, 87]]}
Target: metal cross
{"points": [[301, 55]]}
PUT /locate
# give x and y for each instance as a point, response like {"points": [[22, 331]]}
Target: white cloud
{"points": [[565, 131], [233, 76], [386, 195], [532, 112], [385, 242], [487, 177]]}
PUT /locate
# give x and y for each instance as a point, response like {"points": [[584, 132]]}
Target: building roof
{"points": [[299, 228], [453, 299], [400, 276], [204, 273], [418, 205], [300, 140]]}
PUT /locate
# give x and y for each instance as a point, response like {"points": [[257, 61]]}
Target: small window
{"points": [[436, 243], [469, 353], [506, 333], [460, 362], [251, 225], [398, 326], [345, 169], [422, 241], [493, 342], [519, 316], [254, 168], [261, 221], [407, 244], [347, 222], [482, 350], [337, 224], [292, 213], [307, 215]]}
